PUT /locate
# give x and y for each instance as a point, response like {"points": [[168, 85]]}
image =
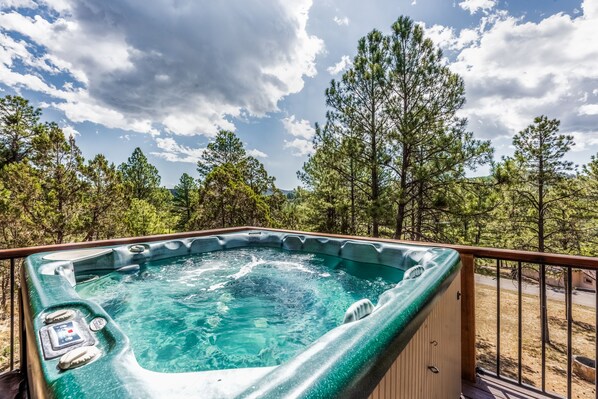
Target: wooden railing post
{"points": [[468, 365]]}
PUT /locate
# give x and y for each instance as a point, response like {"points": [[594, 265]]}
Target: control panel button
{"points": [[78, 357], [59, 315], [97, 324], [65, 334]]}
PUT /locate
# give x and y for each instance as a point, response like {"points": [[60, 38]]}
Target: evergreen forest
{"points": [[392, 158]]}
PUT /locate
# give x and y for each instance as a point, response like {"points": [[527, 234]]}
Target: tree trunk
{"points": [[374, 187], [543, 301], [419, 212], [400, 219], [353, 229]]}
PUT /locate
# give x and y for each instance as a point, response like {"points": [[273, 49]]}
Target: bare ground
{"points": [[583, 336], [5, 345]]}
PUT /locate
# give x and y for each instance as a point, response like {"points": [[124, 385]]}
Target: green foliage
{"points": [[226, 200], [539, 184], [104, 200], [357, 129], [141, 177], [234, 188], [19, 123], [49, 194], [393, 155], [227, 148], [185, 195], [142, 218], [51, 191]]}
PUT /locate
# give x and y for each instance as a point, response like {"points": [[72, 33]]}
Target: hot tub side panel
{"points": [[430, 364]]}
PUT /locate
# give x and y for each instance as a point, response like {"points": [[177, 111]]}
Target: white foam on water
{"points": [[198, 271], [292, 266], [255, 322], [245, 270]]}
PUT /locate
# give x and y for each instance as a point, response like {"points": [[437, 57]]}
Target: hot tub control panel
{"points": [[63, 336]]}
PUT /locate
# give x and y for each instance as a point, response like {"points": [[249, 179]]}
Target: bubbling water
{"points": [[249, 307]]}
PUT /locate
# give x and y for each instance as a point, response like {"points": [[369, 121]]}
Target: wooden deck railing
{"points": [[469, 256]]}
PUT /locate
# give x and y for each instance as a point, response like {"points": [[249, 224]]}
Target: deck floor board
{"points": [[487, 387]]}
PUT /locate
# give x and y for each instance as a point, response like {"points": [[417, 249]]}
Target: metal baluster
{"points": [[519, 306], [596, 331], [569, 319], [12, 313], [498, 318], [542, 322]]}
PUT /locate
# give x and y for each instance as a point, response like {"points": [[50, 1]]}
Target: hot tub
{"points": [[255, 313]]}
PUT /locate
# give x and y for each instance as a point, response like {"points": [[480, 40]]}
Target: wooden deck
{"points": [[12, 386], [488, 387]]}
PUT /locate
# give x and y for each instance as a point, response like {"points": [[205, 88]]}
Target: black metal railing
{"points": [[469, 256], [541, 283], [11, 308]]}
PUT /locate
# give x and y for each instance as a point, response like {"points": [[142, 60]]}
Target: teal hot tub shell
{"points": [[348, 361]]}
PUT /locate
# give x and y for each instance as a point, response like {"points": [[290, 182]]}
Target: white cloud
{"points": [[303, 134], [582, 141], [70, 131], [340, 66], [257, 153], [301, 147], [160, 69], [590, 8], [298, 128], [588, 109], [17, 4], [174, 152], [474, 6], [515, 70], [446, 38], [443, 36], [341, 21]]}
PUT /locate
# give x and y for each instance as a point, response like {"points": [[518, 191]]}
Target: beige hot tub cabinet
{"points": [[430, 365]]}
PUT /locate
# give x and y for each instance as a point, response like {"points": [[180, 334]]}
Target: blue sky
{"points": [[166, 76]]}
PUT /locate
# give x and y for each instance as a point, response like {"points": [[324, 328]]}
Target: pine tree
{"points": [[48, 191], [234, 187], [184, 199], [141, 177], [19, 123], [541, 177], [540, 186], [357, 126], [226, 148], [431, 145], [104, 199], [225, 200]]}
